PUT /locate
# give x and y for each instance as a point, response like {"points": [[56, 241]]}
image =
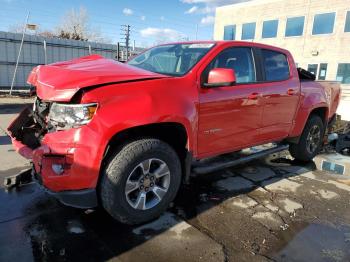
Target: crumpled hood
{"points": [[60, 81]]}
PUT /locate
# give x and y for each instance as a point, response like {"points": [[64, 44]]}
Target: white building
{"points": [[316, 32]]}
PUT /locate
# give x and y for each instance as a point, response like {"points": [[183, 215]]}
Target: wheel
{"points": [[140, 181], [310, 141]]}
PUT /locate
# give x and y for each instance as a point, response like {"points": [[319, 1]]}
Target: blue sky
{"points": [[151, 21]]}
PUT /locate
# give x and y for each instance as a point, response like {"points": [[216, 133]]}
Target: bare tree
{"points": [[47, 34], [16, 28], [75, 25]]}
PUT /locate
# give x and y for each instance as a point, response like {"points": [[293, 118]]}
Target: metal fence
{"points": [[39, 50]]}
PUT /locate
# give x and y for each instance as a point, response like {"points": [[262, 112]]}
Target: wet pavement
{"points": [[258, 212]]}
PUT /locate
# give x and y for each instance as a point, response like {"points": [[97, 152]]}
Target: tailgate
{"points": [[333, 93]]}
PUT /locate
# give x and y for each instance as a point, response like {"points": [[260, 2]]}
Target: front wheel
{"points": [[310, 141], [140, 181]]}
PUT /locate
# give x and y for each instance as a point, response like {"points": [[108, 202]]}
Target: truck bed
{"points": [[331, 90]]}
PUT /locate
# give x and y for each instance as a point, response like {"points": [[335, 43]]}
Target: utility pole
{"points": [[125, 32]]}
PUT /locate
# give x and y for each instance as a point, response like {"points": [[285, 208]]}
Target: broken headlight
{"points": [[65, 116]]}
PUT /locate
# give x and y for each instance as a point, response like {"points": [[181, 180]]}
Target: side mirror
{"points": [[220, 77]]}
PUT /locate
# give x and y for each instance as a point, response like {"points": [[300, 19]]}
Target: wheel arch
{"points": [[164, 131], [322, 111], [173, 133]]}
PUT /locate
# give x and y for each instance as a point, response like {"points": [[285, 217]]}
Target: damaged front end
{"points": [[26, 132], [28, 129], [49, 134]]}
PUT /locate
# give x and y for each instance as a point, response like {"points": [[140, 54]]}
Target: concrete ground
{"points": [[258, 212]]}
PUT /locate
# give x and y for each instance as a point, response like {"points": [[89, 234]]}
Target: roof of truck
{"points": [[225, 42]]}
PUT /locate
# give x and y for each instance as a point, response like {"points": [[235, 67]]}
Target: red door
{"points": [[230, 117]]}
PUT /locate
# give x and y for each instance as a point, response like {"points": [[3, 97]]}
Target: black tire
{"points": [[118, 171], [302, 150]]}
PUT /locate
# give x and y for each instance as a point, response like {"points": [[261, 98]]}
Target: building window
{"points": [[312, 68], [230, 32], [275, 65], [323, 72], [347, 22], [323, 24], [343, 74], [270, 29], [248, 31], [295, 26]]}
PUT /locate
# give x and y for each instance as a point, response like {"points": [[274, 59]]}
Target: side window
{"points": [[347, 22], [323, 24], [270, 29], [240, 59], [322, 74], [343, 73], [312, 68], [295, 26], [275, 65], [230, 32]]}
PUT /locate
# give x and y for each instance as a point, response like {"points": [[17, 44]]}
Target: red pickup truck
{"points": [[125, 135]]}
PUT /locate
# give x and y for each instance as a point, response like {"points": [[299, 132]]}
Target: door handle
{"points": [[253, 96], [290, 92]]}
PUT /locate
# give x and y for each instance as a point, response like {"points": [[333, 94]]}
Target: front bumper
{"points": [[85, 198], [64, 162]]}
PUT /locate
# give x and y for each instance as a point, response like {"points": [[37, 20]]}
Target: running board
{"points": [[222, 165]]}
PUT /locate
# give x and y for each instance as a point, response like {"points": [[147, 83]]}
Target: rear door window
{"points": [[275, 65]]}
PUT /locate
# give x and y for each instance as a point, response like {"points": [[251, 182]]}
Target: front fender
{"points": [[125, 112], [123, 107]]}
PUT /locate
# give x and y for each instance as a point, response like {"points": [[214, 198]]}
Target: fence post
{"points": [[45, 54], [19, 54]]}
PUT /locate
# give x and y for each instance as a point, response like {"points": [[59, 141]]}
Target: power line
{"points": [[108, 26], [105, 25], [134, 19]]}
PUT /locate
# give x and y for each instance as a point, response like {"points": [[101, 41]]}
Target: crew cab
{"points": [[124, 136]]}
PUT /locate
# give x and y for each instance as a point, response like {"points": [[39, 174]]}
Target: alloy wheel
{"points": [[313, 139], [147, 184]]}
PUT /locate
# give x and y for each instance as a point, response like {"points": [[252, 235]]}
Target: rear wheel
{"points": [[310, 141], [140, 181]]}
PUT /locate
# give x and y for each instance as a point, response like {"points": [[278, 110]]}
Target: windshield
{"points": [[174, 59]]}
